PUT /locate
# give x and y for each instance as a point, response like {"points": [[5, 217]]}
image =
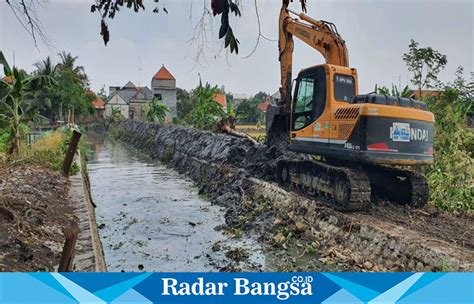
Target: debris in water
{"points": [[237, 254]]}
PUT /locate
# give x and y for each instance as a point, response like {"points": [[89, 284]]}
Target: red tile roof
{"points": [[164, 74], [98, 103], [221, 99], [425, 93], [263, 106]]}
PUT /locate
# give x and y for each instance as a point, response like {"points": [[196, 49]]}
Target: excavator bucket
{"points": [[276, 124]]}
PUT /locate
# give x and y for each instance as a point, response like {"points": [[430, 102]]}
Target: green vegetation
{"points": [[247, 111], [49, 151], [197, 108], [393, 91], [207, 112], [117, 114], [451, 177], [157, 111], [16, 104], [425, 63], [70, 94], [27, 99]]}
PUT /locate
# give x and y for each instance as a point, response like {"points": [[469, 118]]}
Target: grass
{"points": [[49, 152], [255, 131]]}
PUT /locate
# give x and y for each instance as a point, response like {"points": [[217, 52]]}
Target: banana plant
{"points": [[157, 111], [16, 108], [394, 91]]}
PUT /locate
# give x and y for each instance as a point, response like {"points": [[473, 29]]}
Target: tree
{"points": [[185, 103], [46, 67], [157, 111], [16, 108], [248, 112], [107, 9], [207, 112], [102, 93], [425, 63], [68, 62], [261, 96], [70, 94]]}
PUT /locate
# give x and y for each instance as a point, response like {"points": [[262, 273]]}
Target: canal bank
{"points": [[89, 255]]}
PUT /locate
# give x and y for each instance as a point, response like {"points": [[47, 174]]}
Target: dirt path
{"points": [[430, 222], [33, 210]]}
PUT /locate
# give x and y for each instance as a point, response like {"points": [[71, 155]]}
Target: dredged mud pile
{"points": [[235, 173]]}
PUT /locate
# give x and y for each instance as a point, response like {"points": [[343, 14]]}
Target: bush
{"points": [[49, 151], [451, 176]]}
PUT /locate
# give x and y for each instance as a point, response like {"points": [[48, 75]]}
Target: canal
{"points": [[151, 218]]}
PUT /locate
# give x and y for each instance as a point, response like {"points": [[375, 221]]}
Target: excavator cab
{"points": [[328, 118]]}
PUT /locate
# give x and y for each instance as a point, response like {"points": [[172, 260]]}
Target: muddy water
{"points": [[152, 219]]}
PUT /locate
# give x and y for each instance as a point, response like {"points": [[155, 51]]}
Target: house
{"points": [[132, 101], [99, 106], [221, 99], [263, 106], [271, 99], [139, 102], [163, 86], [119, 98]]}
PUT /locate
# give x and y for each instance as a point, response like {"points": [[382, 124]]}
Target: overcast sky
{"points": [[377, 33]]}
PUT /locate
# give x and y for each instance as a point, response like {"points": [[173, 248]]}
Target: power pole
{"points": [[139, 71]]}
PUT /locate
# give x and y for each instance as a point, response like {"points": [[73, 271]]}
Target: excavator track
{"points": [[403, 187], [343, 188], [352, 188]]}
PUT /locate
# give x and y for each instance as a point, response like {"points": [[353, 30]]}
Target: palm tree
{"points": [[15, 106], [68, 61], [157, 111], [46, 67]]}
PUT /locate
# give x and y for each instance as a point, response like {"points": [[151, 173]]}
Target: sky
{"points": [[377, 33]]}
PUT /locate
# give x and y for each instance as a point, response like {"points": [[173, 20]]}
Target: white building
{"points": [[163, 85], [119, 98]]}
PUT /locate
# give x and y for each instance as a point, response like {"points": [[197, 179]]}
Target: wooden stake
{"points": [[71, 232]]}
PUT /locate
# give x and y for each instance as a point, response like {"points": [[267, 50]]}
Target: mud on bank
{"points": [[238, 175], [34, 208]]}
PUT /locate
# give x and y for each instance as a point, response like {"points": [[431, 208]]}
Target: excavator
{"points": [[360, 145]]}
